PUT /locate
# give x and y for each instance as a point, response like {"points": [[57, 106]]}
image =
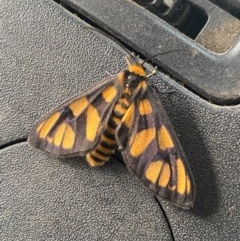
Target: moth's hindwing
{"points": [[151, 150], [74, 128]]}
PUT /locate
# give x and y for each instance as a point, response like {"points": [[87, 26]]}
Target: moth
{"points": [[122, 112]]}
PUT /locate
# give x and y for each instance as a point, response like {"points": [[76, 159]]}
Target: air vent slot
{"points": [[181, 14]]}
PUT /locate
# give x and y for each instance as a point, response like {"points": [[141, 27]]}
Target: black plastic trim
{"points": [[213, 75]]}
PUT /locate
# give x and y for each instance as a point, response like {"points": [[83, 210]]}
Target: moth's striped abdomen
{"points": [[108, 144]]}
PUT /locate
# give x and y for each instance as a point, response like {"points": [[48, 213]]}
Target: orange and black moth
{"points": [[122, 112]]}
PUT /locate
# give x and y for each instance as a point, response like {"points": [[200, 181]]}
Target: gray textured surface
{"points": [[46, 199], [49, 57]]}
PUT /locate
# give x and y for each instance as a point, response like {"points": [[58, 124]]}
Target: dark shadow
{"points": [[199, 158]]}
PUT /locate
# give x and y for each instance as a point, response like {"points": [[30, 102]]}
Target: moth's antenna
{"points": [[115, 41], [168, 52], [133, 57]]}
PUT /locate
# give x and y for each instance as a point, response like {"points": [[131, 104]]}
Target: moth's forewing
{"points": [[74, 128], [152, 151]]}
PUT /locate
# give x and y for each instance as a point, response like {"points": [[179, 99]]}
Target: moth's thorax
{"points": [[133, 79], [137, 69], [132, 82]]}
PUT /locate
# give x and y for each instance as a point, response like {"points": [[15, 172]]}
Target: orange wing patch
{"points": [[164, 175], [145, 107], [153, 170], [160, 172], [59, 134], [181, 177], [188, 188], [109, 93], [141, 141], [46, 126], [78, 106], [64, 136], [129, 116], [40, 126], [93, 121], [69, 138], [164, 139]]}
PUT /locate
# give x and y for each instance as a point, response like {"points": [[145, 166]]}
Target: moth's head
{"points": [[134, 76]]}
